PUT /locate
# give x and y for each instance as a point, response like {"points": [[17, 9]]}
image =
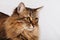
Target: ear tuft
{"points": [[20, 7], [39, 8]]}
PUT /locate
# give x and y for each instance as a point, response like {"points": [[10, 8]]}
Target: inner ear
{"points": [[20, 7]]}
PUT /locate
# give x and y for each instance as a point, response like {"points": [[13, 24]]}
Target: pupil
{"points": [[36, 18]]}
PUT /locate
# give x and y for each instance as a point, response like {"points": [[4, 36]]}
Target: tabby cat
{"points": [[22, 24]]}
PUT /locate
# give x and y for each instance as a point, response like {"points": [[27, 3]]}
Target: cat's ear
{"points": [[20, 7], [39, 8]]}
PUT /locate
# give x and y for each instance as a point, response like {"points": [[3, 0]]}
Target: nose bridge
{"points": [[31, 21], [31, 15], [31, 18]]}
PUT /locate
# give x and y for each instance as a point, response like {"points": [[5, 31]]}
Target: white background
{"points": [[49, 16]]}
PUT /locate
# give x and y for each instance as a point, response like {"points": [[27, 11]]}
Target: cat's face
{"points": [[29, 15]]}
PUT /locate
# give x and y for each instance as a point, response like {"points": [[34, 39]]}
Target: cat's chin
{"points": [[29, 29]]}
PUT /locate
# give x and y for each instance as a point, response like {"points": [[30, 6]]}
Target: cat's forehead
{"points": [[30, 9]]}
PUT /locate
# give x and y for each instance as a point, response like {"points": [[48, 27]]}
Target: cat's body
{"points": [[22, 24], [3, 18]]}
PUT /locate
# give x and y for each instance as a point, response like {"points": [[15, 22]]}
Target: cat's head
{"points": [[23, 18], [28, 13]]}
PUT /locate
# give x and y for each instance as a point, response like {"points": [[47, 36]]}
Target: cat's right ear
{"points": [[20, 7]]}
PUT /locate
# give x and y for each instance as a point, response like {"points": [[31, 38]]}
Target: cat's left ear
{"points": [[39, 8], [20, 7]]}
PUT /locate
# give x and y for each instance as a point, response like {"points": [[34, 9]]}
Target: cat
{"points": [[3, 18], [23, 23]]}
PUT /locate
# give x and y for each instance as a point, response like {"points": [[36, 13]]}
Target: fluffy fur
{"points": [[23, 24], [3, 18]]}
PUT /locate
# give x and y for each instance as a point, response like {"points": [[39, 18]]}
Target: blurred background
{"points": [[49, 16]]}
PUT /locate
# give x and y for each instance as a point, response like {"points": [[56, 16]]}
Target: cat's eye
{"points": [[19, 18], [28, 18], [36, 19]]}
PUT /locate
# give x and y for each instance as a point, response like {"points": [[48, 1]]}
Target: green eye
{"points": [[27, 17]]}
